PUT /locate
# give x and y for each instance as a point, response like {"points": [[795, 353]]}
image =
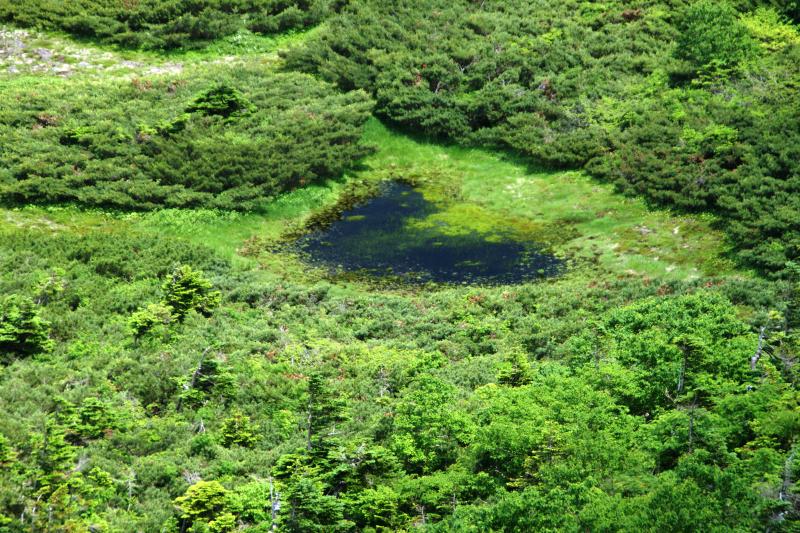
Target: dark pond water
{"points": [[375, 238]]}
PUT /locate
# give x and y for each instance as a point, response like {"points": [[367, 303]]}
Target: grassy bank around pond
{"points": [[605, 234], [567, 211]]}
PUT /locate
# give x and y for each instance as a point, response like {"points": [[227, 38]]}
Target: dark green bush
{"points": [[164, 24], [710, 34], [518, 74], [228, 141]]}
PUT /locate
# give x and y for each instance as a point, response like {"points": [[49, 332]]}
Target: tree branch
{"points": [[759, 349]]}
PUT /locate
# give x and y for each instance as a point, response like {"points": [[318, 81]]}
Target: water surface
{"points": [[384, 236]]}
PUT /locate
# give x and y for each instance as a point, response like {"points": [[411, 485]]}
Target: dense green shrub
{"points": [[225, 140], [238, 430], [521, 74], [164, 24], [710, 34], [206, 501], [661, 352], [149, 318], [186, 290], [99, 274]]}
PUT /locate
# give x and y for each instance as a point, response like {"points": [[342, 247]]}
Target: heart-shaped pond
{"points": [[391, 234]]}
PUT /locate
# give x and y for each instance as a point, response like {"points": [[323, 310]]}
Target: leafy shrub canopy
{"points": [[164, 24], [230, 140]]}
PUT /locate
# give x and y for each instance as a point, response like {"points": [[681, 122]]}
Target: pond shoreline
{"points": [[393, 233]]}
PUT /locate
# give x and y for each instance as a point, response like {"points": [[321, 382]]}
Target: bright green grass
{"points": [[243, 43], [227, 232], [57, 218]]}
